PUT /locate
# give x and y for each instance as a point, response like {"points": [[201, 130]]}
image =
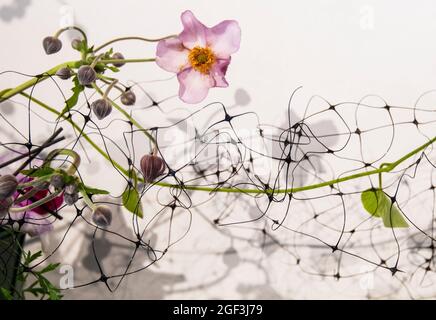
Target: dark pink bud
{"points": [[101, 108], [102, 216], [152, 167], [128, 98], [51, 45], [118, 56], [64, 73], [86, 75]]}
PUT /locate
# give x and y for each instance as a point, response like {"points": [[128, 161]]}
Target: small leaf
{"points": [[6, 294], [90, 190], [72, 101], [32, 257], [35, 291], [38, 172], [379, 205], [50, 267], [131, 201]]}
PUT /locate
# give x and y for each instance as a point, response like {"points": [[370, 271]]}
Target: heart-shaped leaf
{"points": [[132, 201], [380, 205]]}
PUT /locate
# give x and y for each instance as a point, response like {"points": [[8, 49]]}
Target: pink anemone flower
{"points": [[199, 56]]}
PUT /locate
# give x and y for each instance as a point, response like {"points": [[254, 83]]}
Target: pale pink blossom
{"points": [[199, 56]]}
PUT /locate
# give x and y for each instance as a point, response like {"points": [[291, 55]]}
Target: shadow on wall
{"points": [[15, 9]]}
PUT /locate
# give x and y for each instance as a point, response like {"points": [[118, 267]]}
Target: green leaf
{"points": [[379, 205], [50, 267], [72, 101], [90, 190], [49, 288], [38, 172], [6, 294], [32, 257], [131, 201]]}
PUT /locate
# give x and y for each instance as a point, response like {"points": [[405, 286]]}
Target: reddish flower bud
{"points": [[128, 98], [102, 216], [51, 45], [71, 198], [57, 181], [118, 56], [76, 44], [101, 108], [86, 75], [64, 73], [152, 167]]}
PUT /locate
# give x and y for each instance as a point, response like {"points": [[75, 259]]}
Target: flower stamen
{"points": [[202, 59]]}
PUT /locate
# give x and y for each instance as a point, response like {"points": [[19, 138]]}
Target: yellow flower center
{"points": [[202, 59]]}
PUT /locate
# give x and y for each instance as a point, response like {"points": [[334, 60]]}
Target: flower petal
{"points": [[218, 72], [171, 55], [34, 224], [194, 32], [225, 38], [194, 85]]}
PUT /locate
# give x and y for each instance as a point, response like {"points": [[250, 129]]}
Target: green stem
{"points": [[126, 114], [7, 94], [37, 203], [383, 168], [78, 129], [59, 32], [131, 38], [87, 200], [73, 166], [127, 60]]}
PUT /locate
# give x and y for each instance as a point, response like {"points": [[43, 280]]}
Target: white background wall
{"points": [[341, 50]]}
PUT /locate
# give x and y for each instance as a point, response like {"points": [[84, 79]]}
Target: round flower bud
{"points": [[102, 216], [5, 205], [101, 108], [71, 198], [152, 167], [71, 189], [8, 185], [57, 181], [64, 73], [76, 44], [51, 45], [128, 98], [86, 75], [118, 56]]}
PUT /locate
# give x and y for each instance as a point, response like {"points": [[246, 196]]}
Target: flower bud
{"points": [[76, 44], [64, 73], [5, 205], [71, 198], [57, 181], [8, 185], [51, 45], [86, 75], [152, 167], [118, 55], [71, 188], [101, 108], [102, 216], [128, 98]]}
